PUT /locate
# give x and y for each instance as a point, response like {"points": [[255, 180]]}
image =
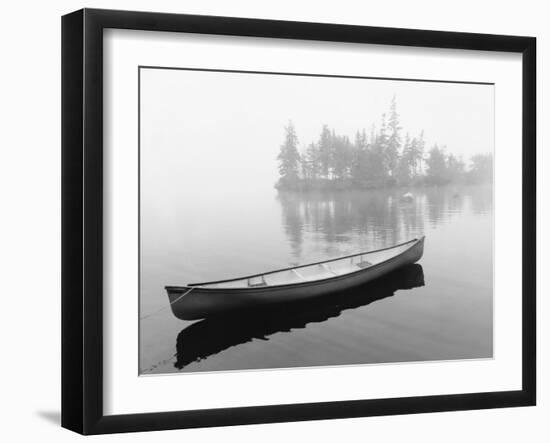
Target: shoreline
{"points": [[348, 188]]}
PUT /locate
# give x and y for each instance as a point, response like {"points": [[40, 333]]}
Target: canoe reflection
{"points": [[213, 335]]}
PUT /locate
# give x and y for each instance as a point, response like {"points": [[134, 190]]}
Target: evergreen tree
{"points": [[394, 139], [359, 161], [342, 158], [289, 158], [455, 168], [416, 155], [311, 163], [305, 167], [376, 167], [372, 134], [378, 162], [382, 139], [436, 172], [325, 151], [405, 164], [419, 154], [481, 169], [373, 161]]}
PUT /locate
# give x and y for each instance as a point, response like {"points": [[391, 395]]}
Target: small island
{"points": [[381, 159]]}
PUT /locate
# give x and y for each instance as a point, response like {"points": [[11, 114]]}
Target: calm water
{"points": [[439, 309]]}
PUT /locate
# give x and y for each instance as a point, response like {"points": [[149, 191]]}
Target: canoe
{"points": [[201, 300], [203, 339]]}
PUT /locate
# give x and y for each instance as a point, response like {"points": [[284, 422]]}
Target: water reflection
{"points": [[482, 201], [373, 218], [211, 336]]}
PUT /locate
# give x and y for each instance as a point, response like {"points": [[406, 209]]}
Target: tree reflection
{"points": [[293, 221], [331, 221], [482, 199], [377, 218], [437, 205]]}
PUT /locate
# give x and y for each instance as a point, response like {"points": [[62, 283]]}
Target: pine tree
{"points": [[342, 157], [455, 168], [372, 134], [414, 157], [325, 151], [394, 139], [419, 154], [358, 167], [378, 162], [376, 169], [373, 161], [481, 169], [405, 164], [436, 172], [289, 159], [310, 160]]}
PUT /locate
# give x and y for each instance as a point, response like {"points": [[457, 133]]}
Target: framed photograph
{"points": [[269, 221]]}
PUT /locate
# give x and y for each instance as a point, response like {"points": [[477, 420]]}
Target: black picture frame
{"points": [[82, 220]]}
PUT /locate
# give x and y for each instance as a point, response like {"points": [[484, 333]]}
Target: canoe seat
{"points": [[257, 285], [364, 264], [257, 282]]}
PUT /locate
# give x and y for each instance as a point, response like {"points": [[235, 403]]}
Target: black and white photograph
{"points": [[294, 220]]}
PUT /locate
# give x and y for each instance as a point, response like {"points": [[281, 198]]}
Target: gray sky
{"points": [[206, 128]]}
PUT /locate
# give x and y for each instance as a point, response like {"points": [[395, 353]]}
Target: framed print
{"points": [[269, 221]]}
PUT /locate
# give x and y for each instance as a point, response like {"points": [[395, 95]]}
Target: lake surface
{"points": [[439, 309]]}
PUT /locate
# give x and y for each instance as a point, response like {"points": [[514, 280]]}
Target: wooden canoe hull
{"points": [[206, 302]]}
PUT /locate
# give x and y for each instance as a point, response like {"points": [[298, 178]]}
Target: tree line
{"points": [[382, 158]]}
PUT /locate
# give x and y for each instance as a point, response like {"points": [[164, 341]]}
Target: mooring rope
{"points": [[159, 363], [166, 307]]}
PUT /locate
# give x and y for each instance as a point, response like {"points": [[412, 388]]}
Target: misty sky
{"points": [[200, 129]]}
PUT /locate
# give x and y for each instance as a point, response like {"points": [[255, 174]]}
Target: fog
{"points": [[209, 211], [221, 132]]}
